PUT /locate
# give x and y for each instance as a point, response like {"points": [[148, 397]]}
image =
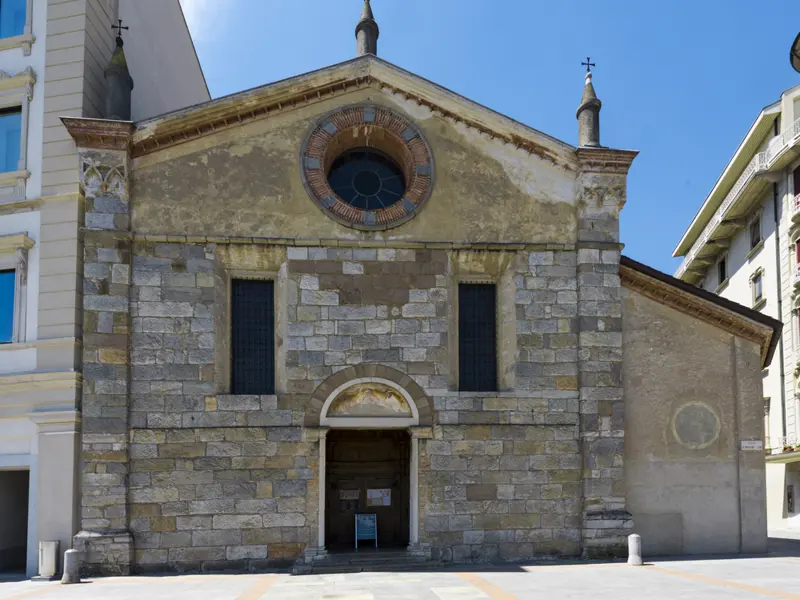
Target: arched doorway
{"points": [[368, 463]]}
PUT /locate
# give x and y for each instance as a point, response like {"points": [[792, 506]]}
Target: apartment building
{"points": [[53, 59], [744, 244]]}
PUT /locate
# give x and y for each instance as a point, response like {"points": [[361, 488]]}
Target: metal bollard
{"points": [[635, 550], [72, 565]]}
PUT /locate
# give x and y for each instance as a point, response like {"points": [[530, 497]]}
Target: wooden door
{"points": [[357, 462]]}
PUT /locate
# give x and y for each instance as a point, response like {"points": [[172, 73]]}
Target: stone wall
{"points": [[201, 479], [208, 498], [232, 480]]}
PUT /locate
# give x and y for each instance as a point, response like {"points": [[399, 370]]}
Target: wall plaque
{"points": [[349, 494], [752, 445], [379, 497]]}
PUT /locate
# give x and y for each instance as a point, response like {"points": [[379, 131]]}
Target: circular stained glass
{"points": [[367, 179]]}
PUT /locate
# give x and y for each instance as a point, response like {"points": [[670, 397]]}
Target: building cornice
{"points": [[9, 244], [100, 134], [605, 160], [729, 316], [364, 72]]}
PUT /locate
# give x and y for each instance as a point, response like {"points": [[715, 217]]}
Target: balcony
{"points": [[796, 209], [783, 450], [779, 152]]}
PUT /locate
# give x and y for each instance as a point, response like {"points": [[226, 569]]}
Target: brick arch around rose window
{"points": [[364, 371]]}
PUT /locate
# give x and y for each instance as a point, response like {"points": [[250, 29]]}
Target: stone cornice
{"points": [[605, 160], [100, 134], [719, 312], [24, 80], [9, 244], [358, 243], [364, 72]]}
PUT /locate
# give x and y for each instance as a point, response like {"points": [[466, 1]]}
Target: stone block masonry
{"points": [[232, 498], [105, 540]]}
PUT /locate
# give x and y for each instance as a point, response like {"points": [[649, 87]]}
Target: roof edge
{"points": [[735, 318], [208, 117], [685, 243]]}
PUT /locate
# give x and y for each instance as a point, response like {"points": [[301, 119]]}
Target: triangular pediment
{"points": [[366, 71]]}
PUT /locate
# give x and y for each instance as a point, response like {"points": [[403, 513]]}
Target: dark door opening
{"points": [[367, 472], [13, 520]]}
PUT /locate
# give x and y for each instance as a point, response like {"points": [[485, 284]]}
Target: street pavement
{"points": [[772, 576]]}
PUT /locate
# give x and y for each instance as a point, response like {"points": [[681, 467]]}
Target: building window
{"points": [[13, 15], [722, 270], [757, 287], [8, 281], [10, 136], [13, 286], [477, 337], [796, 178], [755, 232], [252, 337]]}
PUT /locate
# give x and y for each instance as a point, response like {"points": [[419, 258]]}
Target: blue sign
{"points": [[366, 528]]}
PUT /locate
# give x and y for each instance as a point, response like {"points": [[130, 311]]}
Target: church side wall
{"points": [[692, 395]]}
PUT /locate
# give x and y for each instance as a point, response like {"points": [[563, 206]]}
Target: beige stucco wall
{"points": [[702, 494], [246, 181]]}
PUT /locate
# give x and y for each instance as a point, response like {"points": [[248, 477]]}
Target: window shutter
{"points": [[477, 337], [252, 337]]}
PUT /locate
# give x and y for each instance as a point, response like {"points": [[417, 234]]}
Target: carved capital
{"points": [[104, 173]]}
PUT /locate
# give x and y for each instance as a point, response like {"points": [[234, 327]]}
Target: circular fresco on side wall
{"points": [[696, 426], [367, 167]]}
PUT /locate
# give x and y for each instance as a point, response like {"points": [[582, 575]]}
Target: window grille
{"points": [[477, 337], [252, 337]]}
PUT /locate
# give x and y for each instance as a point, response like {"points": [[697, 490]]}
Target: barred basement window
{"points": [[252, 337], [477, 337]]}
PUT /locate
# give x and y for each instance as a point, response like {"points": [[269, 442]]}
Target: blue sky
{"points": [[681, 81]]}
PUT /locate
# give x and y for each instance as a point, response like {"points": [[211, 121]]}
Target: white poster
{"points": [[379, 497]]}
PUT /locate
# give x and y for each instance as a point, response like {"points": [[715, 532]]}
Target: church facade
{"points": [[355, 292]]}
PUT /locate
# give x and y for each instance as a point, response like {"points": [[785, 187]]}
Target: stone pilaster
{"points": [[602, 194], [104, 538]]}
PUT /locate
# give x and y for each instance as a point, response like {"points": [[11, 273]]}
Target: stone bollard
{"points": [[635, 550], [72, 565]]}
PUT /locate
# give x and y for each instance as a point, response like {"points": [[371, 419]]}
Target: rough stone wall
{"points": [[217, 478], [501, 492], [202, 479], [606, 522], [207, 498], [367, 305], [104, 538], [502, 474]]}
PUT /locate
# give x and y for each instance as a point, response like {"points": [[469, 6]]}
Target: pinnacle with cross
{"points": [[119, 29], [588, 64]]}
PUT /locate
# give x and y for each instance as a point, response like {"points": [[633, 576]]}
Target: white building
{"points": [[53, 54], [744, 244]]}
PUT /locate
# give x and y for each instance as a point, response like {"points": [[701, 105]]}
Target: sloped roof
{"points": [[705, 306], [365, 71]]}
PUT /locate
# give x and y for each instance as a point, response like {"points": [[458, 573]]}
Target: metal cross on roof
{"points": [[119, 28], [588, 64]]}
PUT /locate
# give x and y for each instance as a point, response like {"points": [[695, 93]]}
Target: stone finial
{"points": [[367, 32], [589, 116], [119, 86]]}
